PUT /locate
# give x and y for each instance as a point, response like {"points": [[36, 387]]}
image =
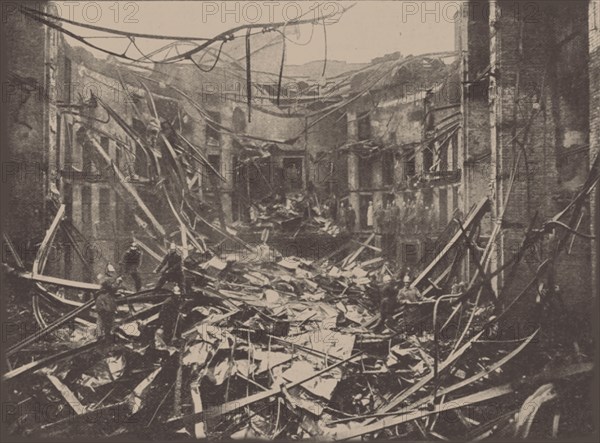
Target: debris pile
{"points": [[254, 344], [291, 215], [286, 347]]}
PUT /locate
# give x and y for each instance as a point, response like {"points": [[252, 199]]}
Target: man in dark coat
{"points": [[387, 308], [171, 269], [132, 259], [350, 218], [106, 308]]}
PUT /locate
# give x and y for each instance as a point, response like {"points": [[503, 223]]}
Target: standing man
{"points": [[132, 259], [378, 224], [370, 215], [350, 218], [171, 268], [408, 294], [334, 207], [394, 227], [168, 316], [387, 308], [106, 308], [342, 216]]}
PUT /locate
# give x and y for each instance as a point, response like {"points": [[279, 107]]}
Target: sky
{"points": [[369, 29]]}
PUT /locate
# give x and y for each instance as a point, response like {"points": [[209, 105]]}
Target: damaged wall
{"points": [[28, 95], [536, 59], [417, 134], [472, 29]]}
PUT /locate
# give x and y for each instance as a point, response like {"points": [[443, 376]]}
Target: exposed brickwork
{"points": [[533, 56], [26, 98]]}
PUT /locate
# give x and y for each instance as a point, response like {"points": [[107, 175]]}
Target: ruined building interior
{"points": [[297, 202]]}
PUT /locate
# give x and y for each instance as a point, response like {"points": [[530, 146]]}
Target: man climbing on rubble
{"points": [[408, 294], [171, 268], [106, 306], [109, 276], [132, 259], [168, 318], [387, 308]]}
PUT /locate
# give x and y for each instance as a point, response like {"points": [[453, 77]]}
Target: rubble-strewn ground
{"points": [[286, 347], [281, 332]]}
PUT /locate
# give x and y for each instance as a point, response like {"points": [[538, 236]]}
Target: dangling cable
{"points": [[325, 43], [248, 75], [217, 57], [281, 67]]}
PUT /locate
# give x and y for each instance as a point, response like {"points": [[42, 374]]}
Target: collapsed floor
{"points": [[272, 346], [285, 347]]}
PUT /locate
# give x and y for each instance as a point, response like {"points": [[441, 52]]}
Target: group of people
{"points": [[170, 270]]}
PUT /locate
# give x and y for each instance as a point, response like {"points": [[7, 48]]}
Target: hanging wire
{"points": [[265, 27], [281, 68], [39, 16], [110, 30], [325, 44], [217, 57], [248, 76]]}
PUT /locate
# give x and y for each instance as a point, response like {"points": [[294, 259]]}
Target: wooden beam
{"points": [[52, 327], [42, 254], [374, 248], [150, 252], [13, 250], [181, 223], [67, 394], [199, 154], [356, 253], [234, 405], [478, 397], [60, 281], [38, 364], [473, 217], [126, 185]]}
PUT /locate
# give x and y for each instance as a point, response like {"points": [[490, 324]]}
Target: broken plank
{"points": [[444, 391], [42, 254], [126, 185], [349, 259], [181, 223], [473, 217], [199, 427], [478, 397], [52, 327], [13, 250], [67, 394], [234, 405], [150, 252], [374, 248], [38, 364], [60, 281], [199, 154]]}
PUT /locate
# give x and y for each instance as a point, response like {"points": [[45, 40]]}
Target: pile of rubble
{"points": [[286, 348], [291, 215], [262, 345]]}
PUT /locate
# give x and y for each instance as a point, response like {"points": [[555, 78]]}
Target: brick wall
{"points": [[26, 99], [534, 53]]}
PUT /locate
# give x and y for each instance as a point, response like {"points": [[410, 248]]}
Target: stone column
{"points": [[353, 166], [227, 172]]}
